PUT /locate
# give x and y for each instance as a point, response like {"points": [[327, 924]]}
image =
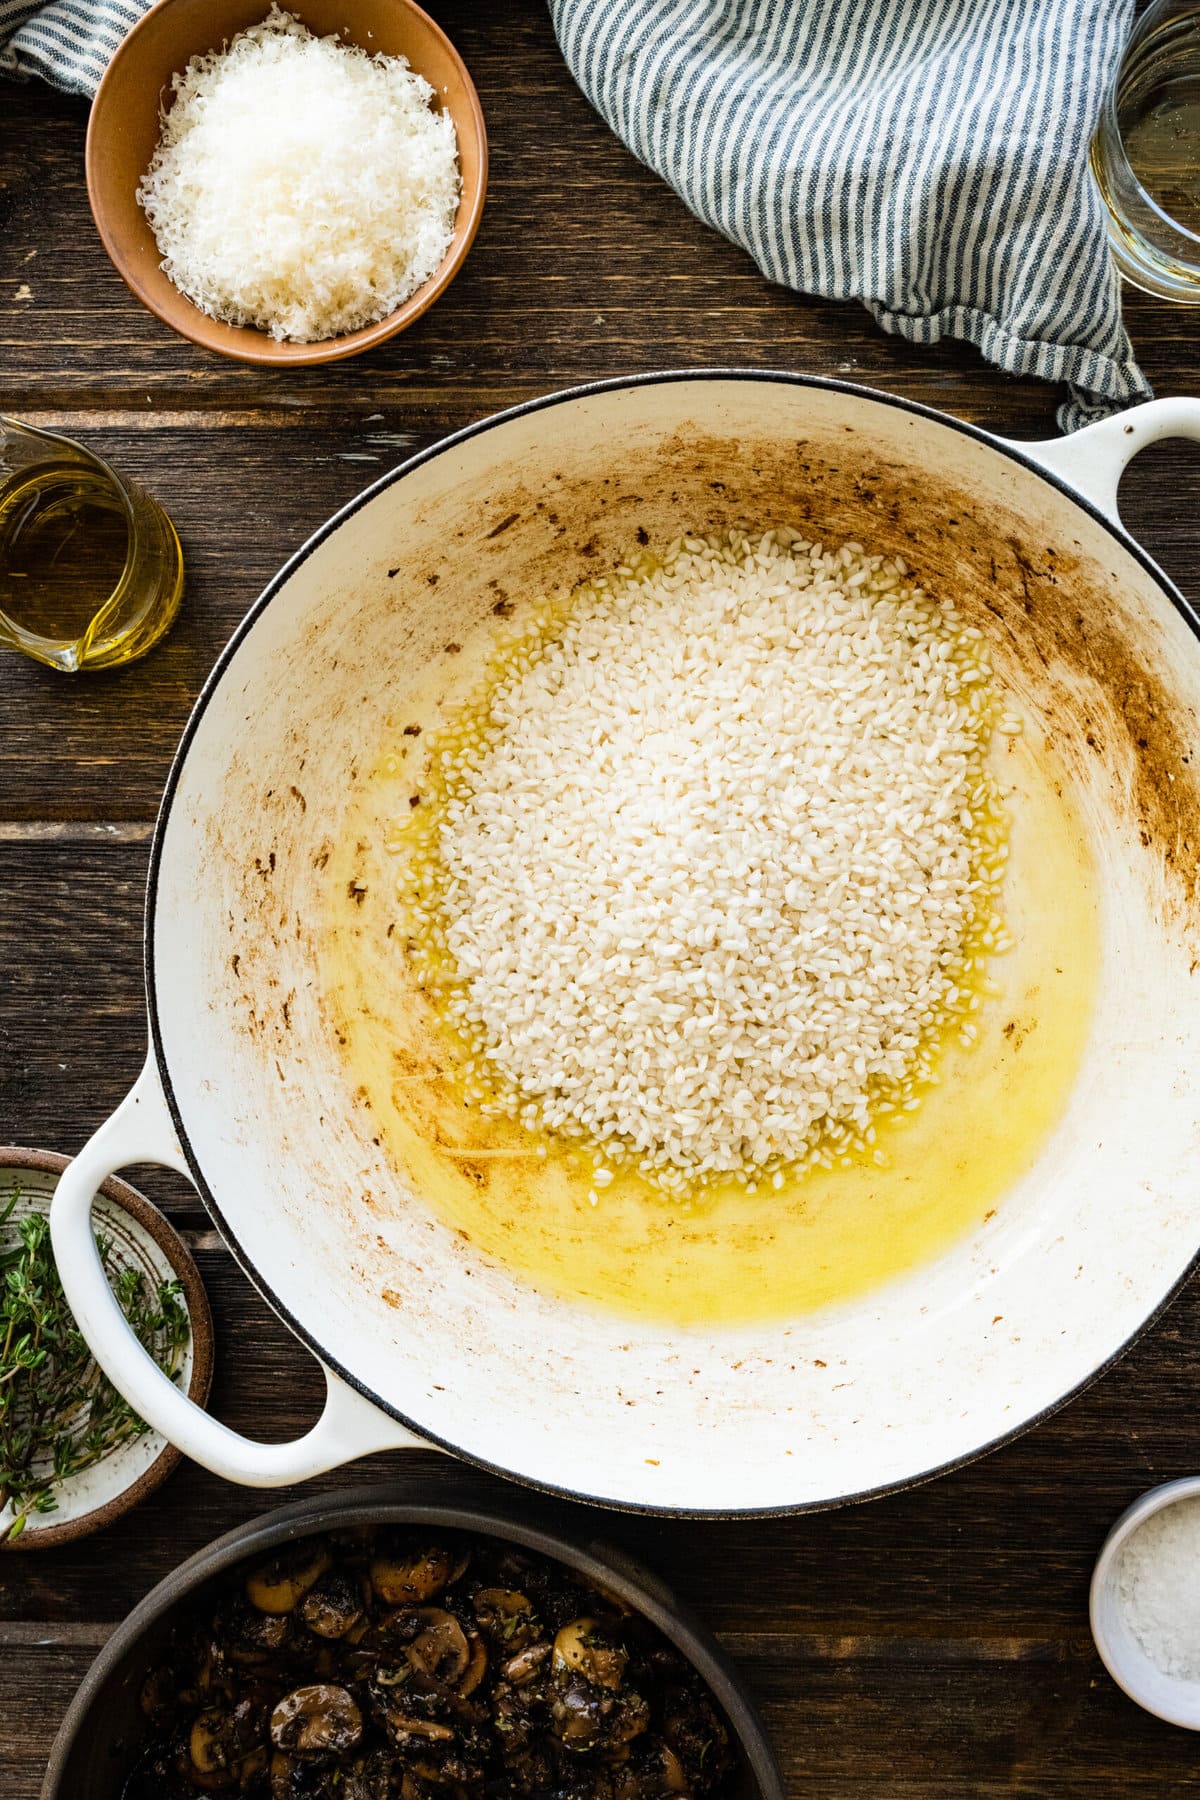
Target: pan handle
{"points": [[1093, 460], [141, 1131]]}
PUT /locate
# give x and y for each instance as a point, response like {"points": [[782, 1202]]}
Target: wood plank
{"points": [[543, 299], [850, 1731], [98, 746]]}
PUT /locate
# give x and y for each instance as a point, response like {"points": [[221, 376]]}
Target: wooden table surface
{"points": [[931, 1644]]}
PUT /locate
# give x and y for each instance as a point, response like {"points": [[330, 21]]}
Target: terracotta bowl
{"points": [[124, 131]]}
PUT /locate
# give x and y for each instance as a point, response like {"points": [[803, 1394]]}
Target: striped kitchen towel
{"points": [[927, 157], [65, 42]]}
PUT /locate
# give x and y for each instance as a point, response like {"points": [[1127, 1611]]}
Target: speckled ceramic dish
{"points": [[141, 1239]]}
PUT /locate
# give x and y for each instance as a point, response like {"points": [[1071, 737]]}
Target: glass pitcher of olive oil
{"points": [[91, 573]]}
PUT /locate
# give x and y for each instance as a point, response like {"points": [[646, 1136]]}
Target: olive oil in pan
{"points": [[64, 540], [732, 1257]]}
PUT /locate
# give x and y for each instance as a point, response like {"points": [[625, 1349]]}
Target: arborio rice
{"points": [[711, 868]]}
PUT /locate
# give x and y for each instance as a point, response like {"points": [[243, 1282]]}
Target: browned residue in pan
{"points": [[1055, 616]]}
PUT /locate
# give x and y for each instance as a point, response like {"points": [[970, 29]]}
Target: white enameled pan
{"points": [[244, 1093]]}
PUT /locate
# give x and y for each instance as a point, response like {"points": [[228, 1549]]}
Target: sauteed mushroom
{"points": [[407, 1578], [283, 1582], [506, 1615], [440, 1650], [220, 1745], [210, 1765], [249, 1636], [333, 1606], [586, 1650], [525, 1664], [405, 1729], [317, 1718], [370, 1666]]}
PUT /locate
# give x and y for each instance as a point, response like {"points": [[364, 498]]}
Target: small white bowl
{"points": [[1166, 1696], [141, 1238]]}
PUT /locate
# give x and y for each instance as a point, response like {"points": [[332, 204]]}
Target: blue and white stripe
{"points": [[927, 157], [68, 43]]}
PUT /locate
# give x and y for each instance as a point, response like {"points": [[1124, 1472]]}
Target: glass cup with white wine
{"points": [[1146, 153]]}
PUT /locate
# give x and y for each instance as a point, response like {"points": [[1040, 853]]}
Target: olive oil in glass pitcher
{"points": [[91, 572]]}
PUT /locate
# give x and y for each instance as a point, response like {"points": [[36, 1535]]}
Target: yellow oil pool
{"points": [[731, 1256]]}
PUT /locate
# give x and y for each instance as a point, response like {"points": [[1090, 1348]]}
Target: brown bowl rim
{"points": [[261, 350], [51, 1162]]}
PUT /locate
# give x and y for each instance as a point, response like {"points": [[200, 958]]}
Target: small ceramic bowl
{"points": [[141, 1238], [124, 130], [1166, 1696]]}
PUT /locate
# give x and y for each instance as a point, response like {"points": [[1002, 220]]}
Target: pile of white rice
{"points": [[712, 867], [301, 185]]}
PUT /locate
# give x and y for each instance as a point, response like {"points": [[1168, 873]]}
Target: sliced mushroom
{"points": [[525, 1664], [674, 1779], [583, 1648], [209, 1780], [505, 1614], [316, 1719], [586, 1717], [407, 1578], [333, 1605], [578, 1716], [281, 1584], [442, 1653], [219, 1743], [476, 1668], [406, 1729], [252, 1637]]}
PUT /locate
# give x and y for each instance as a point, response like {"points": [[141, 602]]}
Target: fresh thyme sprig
{"points": [[59, 1414]]}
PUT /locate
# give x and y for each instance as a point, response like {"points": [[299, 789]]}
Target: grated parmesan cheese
{"points": [[299, 184], [713, 864]]}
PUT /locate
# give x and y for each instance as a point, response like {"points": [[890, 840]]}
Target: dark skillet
{"points": [[93, 1751]]}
